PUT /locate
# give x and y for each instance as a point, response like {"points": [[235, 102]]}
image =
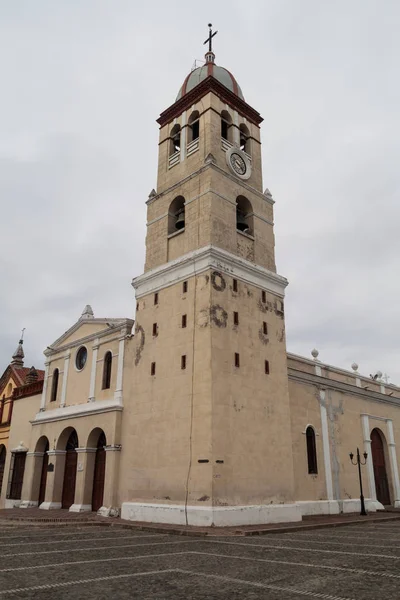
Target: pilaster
{"points": [[393, 464], [31, 484], [95, 348], [45, 382], [55, 479], [65, 378]]}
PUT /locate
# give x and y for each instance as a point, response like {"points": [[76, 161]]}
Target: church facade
{"points": [[195, 413]]}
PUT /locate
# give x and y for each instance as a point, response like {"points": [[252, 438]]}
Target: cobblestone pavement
{"points": [[43, 561]]}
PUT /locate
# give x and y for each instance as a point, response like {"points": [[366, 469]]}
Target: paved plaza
{"points": [[43, 561]]}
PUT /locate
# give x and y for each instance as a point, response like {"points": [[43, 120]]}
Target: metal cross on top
{"points": [[210, 37]]}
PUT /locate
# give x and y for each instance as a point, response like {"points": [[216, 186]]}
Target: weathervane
{"points": [[22, 334], [210, 37]]}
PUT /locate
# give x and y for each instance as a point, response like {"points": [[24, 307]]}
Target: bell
{"points": [[241, 222], [180, 220]]}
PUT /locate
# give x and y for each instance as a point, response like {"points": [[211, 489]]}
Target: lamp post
{"points": [[359, 463]]}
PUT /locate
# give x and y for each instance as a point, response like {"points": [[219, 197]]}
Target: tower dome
{"points": [[210, 69]]}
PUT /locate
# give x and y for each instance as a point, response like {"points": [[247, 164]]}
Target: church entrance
{"points": [[378, 460], [71, 461], [43, 476], [2, 463], [99, 474]]}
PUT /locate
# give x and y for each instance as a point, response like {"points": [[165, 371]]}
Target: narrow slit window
{"points": [[185, 287], [266, 367], [311, 451], [156, 298], [184, 321], [153, 368], [155, 329], [54, 387], [236, 318], [137, 306], [107, 371], [237, 360], [263, 296], [183, 361], [234, 285], [265, 328]]}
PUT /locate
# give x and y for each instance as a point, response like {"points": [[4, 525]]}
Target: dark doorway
{"points": [[43, 476], [2, 464], [71, 460], [17, 471], [378, 459], [99, 474]]}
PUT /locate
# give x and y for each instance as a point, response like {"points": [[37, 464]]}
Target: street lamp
{"points": [[359, 463]]}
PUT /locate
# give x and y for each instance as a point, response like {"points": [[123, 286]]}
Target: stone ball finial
{"points": [[314, 353], [354, 366]]}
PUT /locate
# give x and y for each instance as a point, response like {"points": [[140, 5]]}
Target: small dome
{"points": [[219, 73]]}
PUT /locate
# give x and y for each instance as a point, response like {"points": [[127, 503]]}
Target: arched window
{"points": [[244, 215], [194, 126], [176, 215], [175, 139], [311, 451], [107, 371], [226, 126], [54, 386], [244, 138]]}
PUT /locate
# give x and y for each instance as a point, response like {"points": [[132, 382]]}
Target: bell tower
{"points": [[210, 402]]}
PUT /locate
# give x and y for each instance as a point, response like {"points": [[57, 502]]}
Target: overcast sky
{"points": [[82, 82]]}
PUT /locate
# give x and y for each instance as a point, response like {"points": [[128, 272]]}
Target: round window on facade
{"points": [[81, 358]]}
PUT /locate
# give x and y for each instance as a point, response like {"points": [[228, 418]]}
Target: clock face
{"points": [[238, 164]]}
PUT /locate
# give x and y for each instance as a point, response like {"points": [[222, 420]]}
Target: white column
{"points": [[95, 349], [183, 136], [46, 377], [236, 133], [393, 463], [120, 367], [368, 450], [65, 377]]}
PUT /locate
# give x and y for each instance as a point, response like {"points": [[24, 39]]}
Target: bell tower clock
{"points": [[210, 386]]}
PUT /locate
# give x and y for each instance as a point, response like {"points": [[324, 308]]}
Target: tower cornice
{"points": [[210, 84], [210, 165]]}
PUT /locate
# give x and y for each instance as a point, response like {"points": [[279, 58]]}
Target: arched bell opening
{"points": [[176, 215], [71, 461], [226, 126], [99, 469], [194, 126], [244, 215], [244, 133], [3, 455], [175, 139], [378, 451]]}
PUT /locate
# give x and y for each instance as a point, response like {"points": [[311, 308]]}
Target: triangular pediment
{"points": [[86, 329]]}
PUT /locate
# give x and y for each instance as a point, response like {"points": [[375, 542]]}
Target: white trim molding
{"points": [[221, 516], [78, 410], [199, 261]]}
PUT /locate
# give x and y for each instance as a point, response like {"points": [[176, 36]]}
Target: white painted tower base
{"points": [[207, 516]]}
